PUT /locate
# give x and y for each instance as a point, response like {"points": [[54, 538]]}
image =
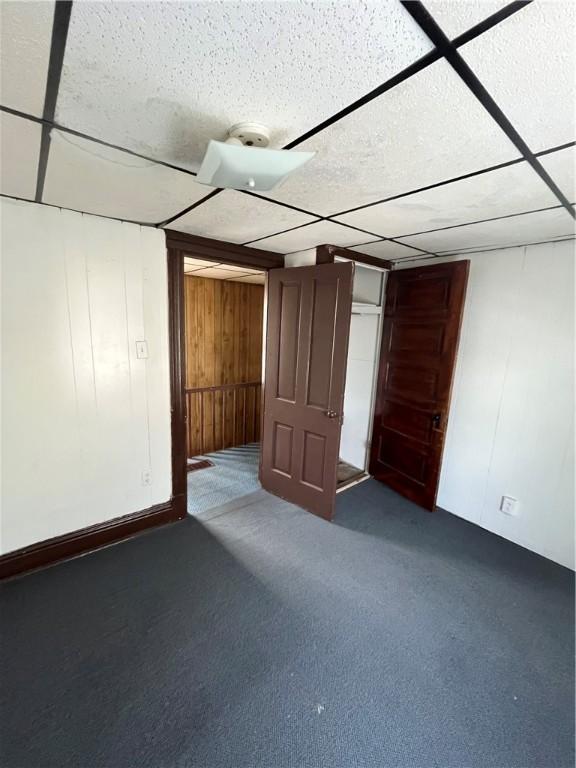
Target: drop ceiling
{"points": [[202, 268], [409, 161]]}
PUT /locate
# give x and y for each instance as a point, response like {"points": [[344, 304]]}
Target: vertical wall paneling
{"points": [[223, 346], [87, 422], [511, 425]]}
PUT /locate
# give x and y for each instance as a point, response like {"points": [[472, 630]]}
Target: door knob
{"points": [[332, 414], [436, 420]]}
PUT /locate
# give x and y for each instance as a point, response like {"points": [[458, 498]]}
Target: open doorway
{"points": [[224, 314], [361, 375]]}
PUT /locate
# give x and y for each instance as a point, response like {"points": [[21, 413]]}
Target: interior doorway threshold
{"points": [[346, 484]]}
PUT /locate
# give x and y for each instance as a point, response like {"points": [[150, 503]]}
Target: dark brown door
{"points": [[306, 348], [419, 343]]}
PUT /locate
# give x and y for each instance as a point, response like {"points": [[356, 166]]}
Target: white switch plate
{"points": [[509, 505], [146, 477], [142, 350]]}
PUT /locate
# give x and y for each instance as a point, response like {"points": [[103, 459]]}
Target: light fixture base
{"points": [[250, 134]]}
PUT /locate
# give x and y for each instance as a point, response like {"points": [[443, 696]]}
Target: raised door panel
{"points": [[307, 340]]}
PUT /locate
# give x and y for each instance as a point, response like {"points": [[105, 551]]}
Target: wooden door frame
{"points": [[327, 254], [178, 244]]}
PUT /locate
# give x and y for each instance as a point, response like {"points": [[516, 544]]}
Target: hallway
{"points": [[234, 474]]}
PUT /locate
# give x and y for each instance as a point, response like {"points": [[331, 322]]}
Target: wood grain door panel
{"points": [[306, 349], [419, 341]]}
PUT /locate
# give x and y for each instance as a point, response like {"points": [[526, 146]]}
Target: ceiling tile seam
{"points": [[64, 129], [281, 232], [448, 254], [319, 217], [482, 221], [430, 58], [453, 180], [412, 69], [335, 216], [64, 8], [76, 210], [60, 25], [465, 37], [429, 25]]}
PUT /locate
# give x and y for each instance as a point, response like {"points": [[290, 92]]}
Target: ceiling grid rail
{"points": [[60, 25], [428, 24], [444, 48], [413, 69]]}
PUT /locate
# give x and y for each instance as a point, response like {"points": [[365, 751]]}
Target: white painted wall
{"points": [[82, 417], [360, 372], [511, 428]]}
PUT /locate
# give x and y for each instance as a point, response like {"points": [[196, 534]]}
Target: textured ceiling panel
{"points": [[533, 227], [309, 237], [20, 149], [163, 78], [238, 218], [216, 273], [96, 179], [25, 34], [192, 264], [457, 17], [509, 190], [427, 129], [256, 279], [562, 168], [386, 250], [527, 63]]}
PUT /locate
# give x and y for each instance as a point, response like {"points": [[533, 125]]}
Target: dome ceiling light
{"points": [[244, 161]]}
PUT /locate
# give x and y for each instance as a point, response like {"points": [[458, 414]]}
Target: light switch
{"points": [[142, 350]]}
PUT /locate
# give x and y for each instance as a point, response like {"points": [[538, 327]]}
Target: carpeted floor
{"points": [[264, 637], [234, 474]]}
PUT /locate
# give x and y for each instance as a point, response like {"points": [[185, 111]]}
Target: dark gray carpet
{"points": [[266, 637]]}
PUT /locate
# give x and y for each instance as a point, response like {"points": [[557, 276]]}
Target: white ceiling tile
{"points": [[190, 263], [427, 129], [20, 150], [216, 273], [320, 233], [96, 179], [561, 166], [533, 227], [238, 218], [514, 189], [25, 35], [243, 270], [386, 250], [163, 78], [527, 63], [456, 16], [255, 279]]}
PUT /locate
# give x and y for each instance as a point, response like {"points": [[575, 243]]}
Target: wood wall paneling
{"points": [[223, 347]]}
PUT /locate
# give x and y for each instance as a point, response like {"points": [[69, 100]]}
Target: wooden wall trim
{"points": [[220, 251], [177, 352], [68, 545], [325, 254]]}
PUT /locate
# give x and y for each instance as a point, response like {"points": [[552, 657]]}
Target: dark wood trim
{"points": [[177, 378], [86, 539], [220, 251], [325, 254]]}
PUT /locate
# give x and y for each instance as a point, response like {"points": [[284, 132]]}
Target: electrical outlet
{"points": [[146, 477], [509, 505]]}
